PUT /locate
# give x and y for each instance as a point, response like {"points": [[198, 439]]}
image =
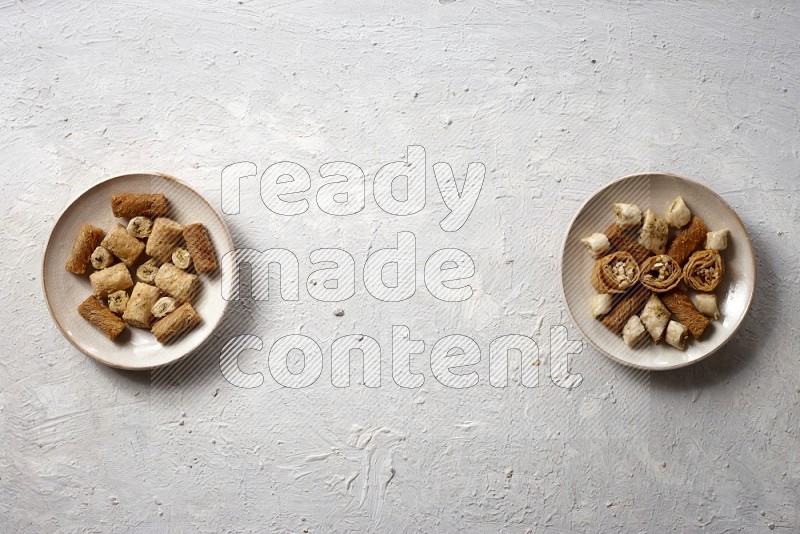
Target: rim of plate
{"points": [[69, 337], [750, 248]]}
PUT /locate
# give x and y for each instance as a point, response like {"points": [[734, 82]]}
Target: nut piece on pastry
{"points": [[678, 214], [660, 273], [655, 317], [704, 270], [615, 273], [633, 332], [654, 233], [706, 303], [627, 215], [717, 240], [597, 244], [601, 304], [677, 335], [117, 301], [101, 258], [140, 226]]}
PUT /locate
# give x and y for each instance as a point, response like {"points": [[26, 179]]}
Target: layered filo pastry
{"points": [[654, 233], [615, 273], [703, 271], [660, 273], [655, 317]]}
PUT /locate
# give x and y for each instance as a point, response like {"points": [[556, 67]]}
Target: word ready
{"points": [[398, 188]]}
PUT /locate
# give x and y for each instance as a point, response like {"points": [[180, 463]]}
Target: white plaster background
{"points": [[556, 98]]}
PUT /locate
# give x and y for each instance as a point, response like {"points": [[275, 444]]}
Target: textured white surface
{"points": [[555, 98]]}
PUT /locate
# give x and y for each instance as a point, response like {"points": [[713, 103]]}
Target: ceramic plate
{"points": [[656, 191], [134, 348]]}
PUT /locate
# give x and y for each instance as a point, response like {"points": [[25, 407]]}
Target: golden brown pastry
{"points": [[88, 238], [123, 245], [111, 279], [622, 240], [175, 282], [615, 273], [164, 237], [200, 248], [684, 311], [703, 271], [139, 312], [129, 205], [630, 304], [690, 239], [660, 273], [181, 320], [101, 317]]}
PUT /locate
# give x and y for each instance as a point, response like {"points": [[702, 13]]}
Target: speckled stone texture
{"points": [[555, 98]]}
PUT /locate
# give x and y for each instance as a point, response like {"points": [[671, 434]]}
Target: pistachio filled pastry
{"points": [[164, 237], [655, 317], [138, 311], [615, 273], [633, 332], [161, 297], [677, 335], [703, 271], [654, 233], [660, 273]]}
